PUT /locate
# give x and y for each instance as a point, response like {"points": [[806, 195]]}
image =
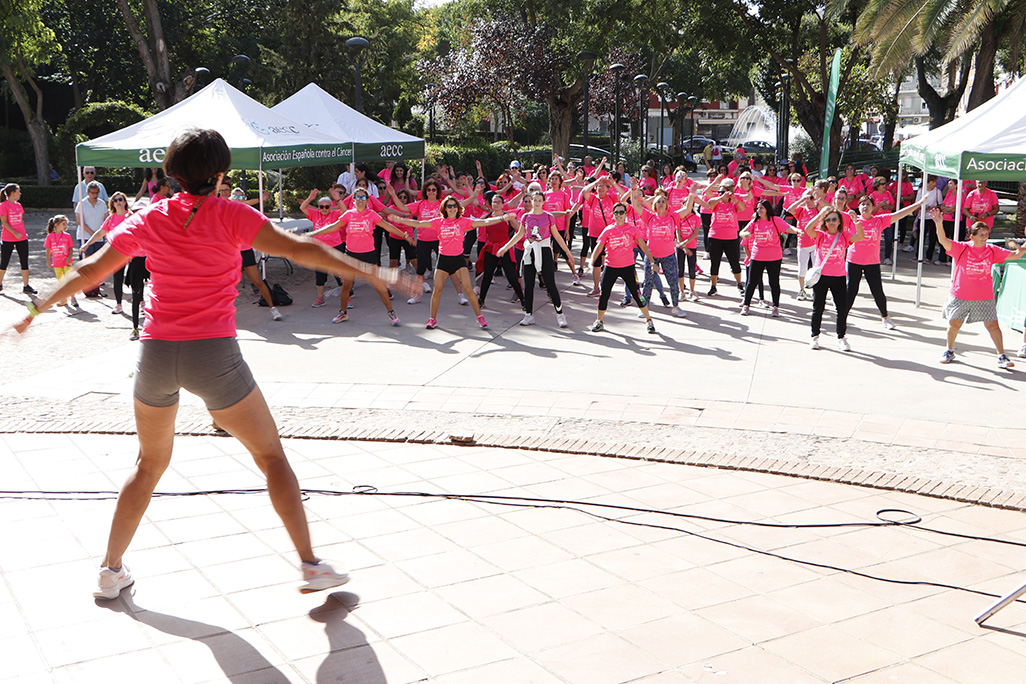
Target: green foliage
{"points": [[93, 120], [15, 154], [493, 159], [47, 197]]}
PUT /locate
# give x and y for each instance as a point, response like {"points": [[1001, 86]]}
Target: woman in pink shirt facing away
{"points": [[971, 299], [832, 242], [192, 244]]}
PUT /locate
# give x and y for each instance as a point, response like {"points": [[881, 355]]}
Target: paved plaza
{"points": [[716, 415]]}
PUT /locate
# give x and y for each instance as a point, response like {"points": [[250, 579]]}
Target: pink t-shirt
{"points": [[538, 227], [746, 246], [15, 215], [766, 238], [676, 197], [423, 210], [972, 280], [724, 221], [661, 233], [112, 221], [980, 202], [599, 213], [620, 242], [804, 215], [833, 260], [450, 234], [60, 245], [689, 226], [360, 230], [194, 270], [320, 220], [854, 188], [558, 200], [750, 199], [648, 185], [950, 198], [792, 193], [866, 252], [880, 199]]}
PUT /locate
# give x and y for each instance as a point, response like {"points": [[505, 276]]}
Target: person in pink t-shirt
{"points": [[662, 233], [618, 241], [864, 256], [765, 230], [804, 210], [971, 299], [598, 197], [450, 229], [723, 230], [981, 205], [326, 214], [192, 244], [60, 253], [832, 242], [13, 235]]}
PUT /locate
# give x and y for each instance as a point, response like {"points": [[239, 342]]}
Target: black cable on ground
{"points": [[886, 517]]}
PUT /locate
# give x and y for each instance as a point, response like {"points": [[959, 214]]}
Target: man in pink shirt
{"points": [[981, 205]]}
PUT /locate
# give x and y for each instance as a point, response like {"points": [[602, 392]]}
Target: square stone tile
{"points": [[491, 595], [831, 654], [681, 639], [602, 659], [752, 664], [758, 618], [520, 670], [621, 606], [391, 618], [567, 578], [971, 660], [453, 648], [521, 628]]}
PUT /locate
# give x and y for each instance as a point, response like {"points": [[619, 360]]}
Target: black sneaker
{"points": [[651, 326], [28, 289], [666, 302], [741, 288], [711, 292]]}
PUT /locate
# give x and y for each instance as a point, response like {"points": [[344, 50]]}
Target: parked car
{"points": [[699, 143], [758, 147]]}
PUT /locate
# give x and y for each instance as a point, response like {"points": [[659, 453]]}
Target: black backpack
{"points": [[278, 295]]}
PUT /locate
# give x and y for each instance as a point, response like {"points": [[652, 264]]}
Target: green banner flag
{"points": [[831, 108]]}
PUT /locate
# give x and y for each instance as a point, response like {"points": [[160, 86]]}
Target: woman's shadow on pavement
{"points": [[349, 659]]}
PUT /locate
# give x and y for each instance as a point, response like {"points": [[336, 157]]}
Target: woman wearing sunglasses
{"points": [[450, 228], [618, 241], [833, 235], [359, 224], [325, 214]]}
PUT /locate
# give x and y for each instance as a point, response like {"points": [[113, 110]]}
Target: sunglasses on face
{"points": [[831, 219], [89, 173], [324, 206], [452, 206], [619, 212], [120, 199], [359, 198]]}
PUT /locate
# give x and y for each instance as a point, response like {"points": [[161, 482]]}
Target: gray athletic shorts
{"points": [[213, 370]]}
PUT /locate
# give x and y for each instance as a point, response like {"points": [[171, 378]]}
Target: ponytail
{"points": [[8, 189]]}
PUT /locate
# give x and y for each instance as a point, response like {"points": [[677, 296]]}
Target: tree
{"points": [[153, 51], [26, 43]]}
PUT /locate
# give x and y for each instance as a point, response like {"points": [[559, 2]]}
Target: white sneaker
{"points": [[463, 299], [888, 324], [814, 343], [427, 286], [111, 582], [561, 320], [906, 248], [1004, 361], [678, 312], [938, 262], [528, 319], [275, 315], [321, 575], [887, 261], [787, 251], [843, 345], [1022, 352], [415, 299]]}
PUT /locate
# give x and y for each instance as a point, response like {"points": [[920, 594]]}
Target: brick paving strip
{"points": [[978, 479]]}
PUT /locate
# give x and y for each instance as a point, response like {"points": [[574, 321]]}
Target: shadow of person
{"points": [[227, 647], [350, 658]]}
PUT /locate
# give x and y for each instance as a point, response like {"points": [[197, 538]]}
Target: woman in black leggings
{"points": [[723, 231], [495, 237], [832, 242], [618, 241]]}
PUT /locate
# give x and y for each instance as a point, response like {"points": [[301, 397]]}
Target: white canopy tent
{"points": [[988, 143], [259, 137]]}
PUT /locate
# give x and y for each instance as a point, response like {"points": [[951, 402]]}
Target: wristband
{"points": [[33, 311]]}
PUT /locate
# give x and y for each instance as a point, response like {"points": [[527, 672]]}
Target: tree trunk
{"points": [[561, 120], [942, 108], [153, 53], [891, 114], [1020, 216], [34, 121], [983, 81]]}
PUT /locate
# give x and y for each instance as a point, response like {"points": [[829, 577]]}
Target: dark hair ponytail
{"points": [[8, 189], [54, 220]]}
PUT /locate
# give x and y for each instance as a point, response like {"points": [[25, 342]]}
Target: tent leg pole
{"points": [[78, 175], [894, 228], [958, 220], [281, 200], [260, 190], [921, 247]]}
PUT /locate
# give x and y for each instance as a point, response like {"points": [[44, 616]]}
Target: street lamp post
{"points": [[431, 110], [616, 69], [242, 62], [357, 45], [660, 89], [640, 80], [589, 63], [785, 115]]}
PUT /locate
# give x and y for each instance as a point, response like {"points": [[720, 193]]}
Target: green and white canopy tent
{"points": [[258, 136], [370, 140], [988, 143]]}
